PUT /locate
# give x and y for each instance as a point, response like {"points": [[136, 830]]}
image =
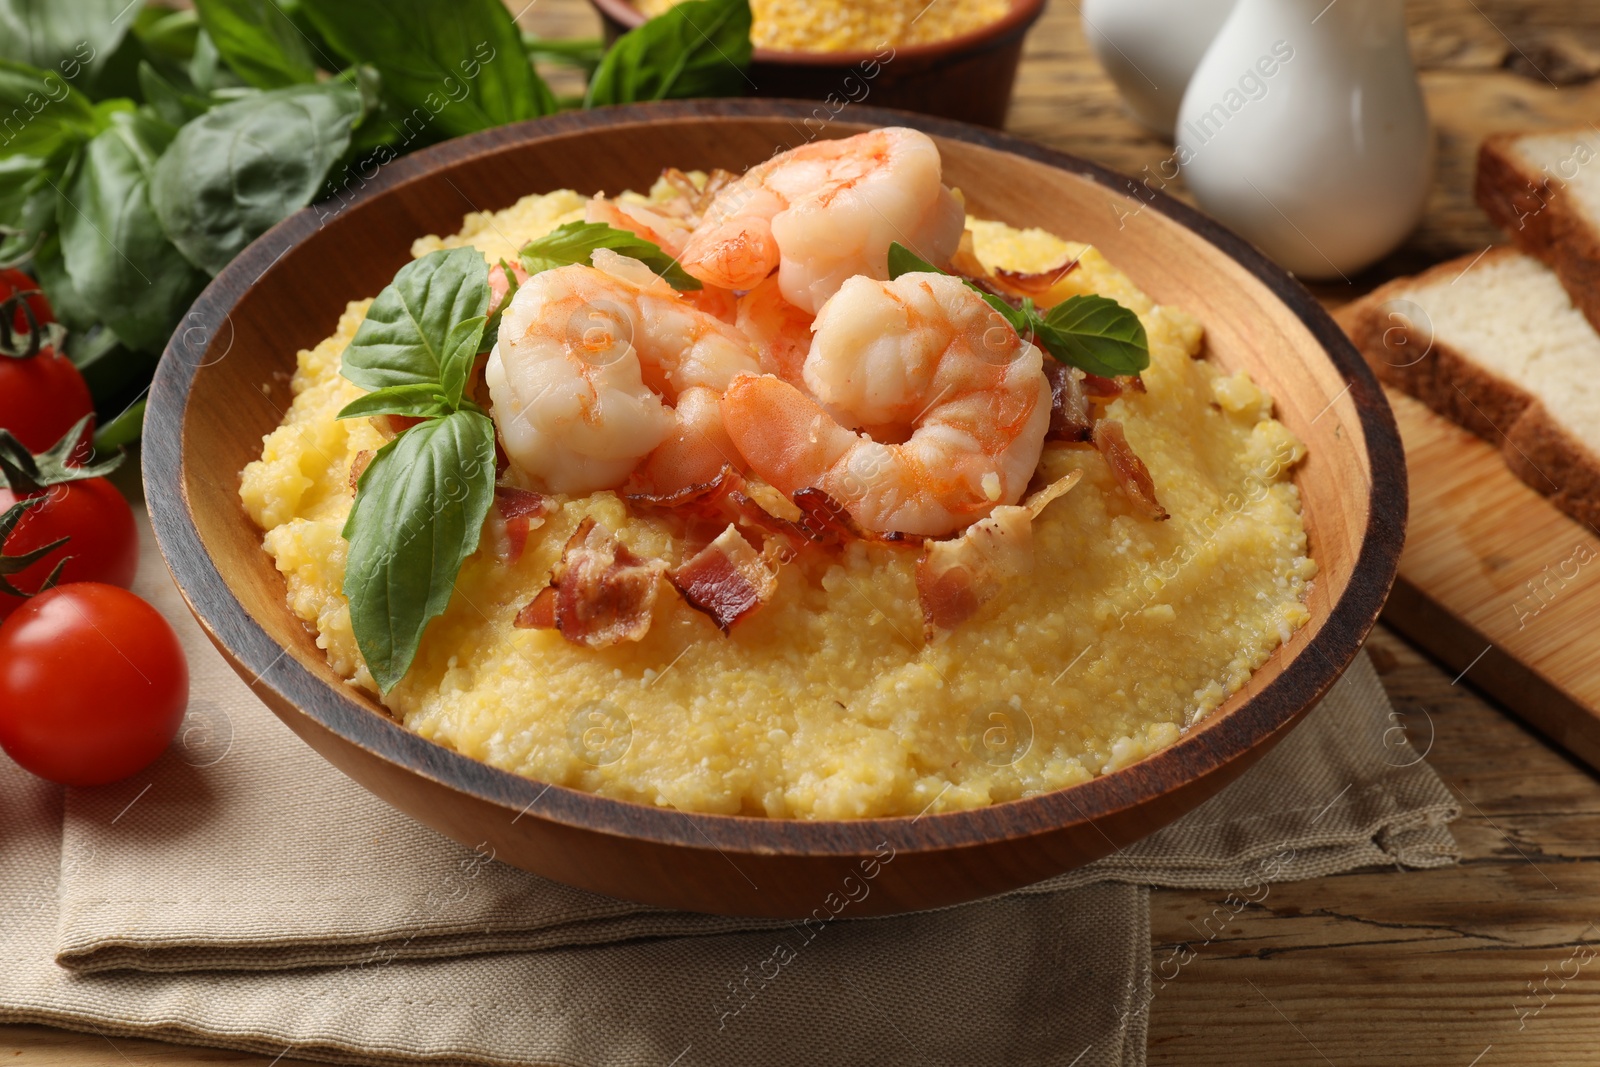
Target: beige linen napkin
{"points": [[328, 923]]}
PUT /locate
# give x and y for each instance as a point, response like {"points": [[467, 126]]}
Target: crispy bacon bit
{"points": [[358, 467], [824, 519], [728, 579], [957, 577], [603, 593], [722, 500], [1111, 388], [540, 612], [1023, 284], [1070, 417], [1129, 469], [521, 512]]}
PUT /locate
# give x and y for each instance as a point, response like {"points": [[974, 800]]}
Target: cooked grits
{"points": [[827, 703]]}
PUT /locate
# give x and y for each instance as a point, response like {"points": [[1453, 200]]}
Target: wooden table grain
{"points": [[1489, 962]]}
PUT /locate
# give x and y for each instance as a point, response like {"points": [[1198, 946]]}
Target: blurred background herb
{"points": [[143, 146]]}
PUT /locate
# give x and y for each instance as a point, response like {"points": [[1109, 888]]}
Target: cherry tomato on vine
{"points": [[12, 281], [93, 684], [41, 392], [74, 504]]}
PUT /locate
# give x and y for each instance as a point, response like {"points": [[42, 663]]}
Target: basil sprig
{"points": [[575, 242], [144, 147], [421, 503], [418, 514], [1093, 333], [697, 48]]}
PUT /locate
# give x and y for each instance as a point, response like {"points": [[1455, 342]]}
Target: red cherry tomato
{"points": [[104, 545], [93, 684], [41, 396], [16, 281]]}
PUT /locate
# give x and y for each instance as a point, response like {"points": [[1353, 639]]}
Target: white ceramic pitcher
{"points": [[1149, 48], [1304, 129]]}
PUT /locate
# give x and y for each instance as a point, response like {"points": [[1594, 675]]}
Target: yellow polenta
{"points": [[827, 703]]}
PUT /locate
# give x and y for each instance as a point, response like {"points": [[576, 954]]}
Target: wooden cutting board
{"points": [[1499, 584]]}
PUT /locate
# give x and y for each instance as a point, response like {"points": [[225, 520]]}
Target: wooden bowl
{"points": [[968, 78], [222, 384]]}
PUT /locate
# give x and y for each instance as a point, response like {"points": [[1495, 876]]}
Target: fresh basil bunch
{"points": [[422, 500], [145, 146], [1093, 333]]}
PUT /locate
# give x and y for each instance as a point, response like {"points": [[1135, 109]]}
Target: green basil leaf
{"points": [[424, 328], [243, 167], [175, 106], [458, 66], [27, 207], [419, 511], [584, 53], [904, 261], [62, 36], [167, 35], [575, 242], [122, 430], [697, 48], [117, 255], [258, 40], [40, 113], [1096, 334], [206, 70], [1092, 333], [420, 401], [71, 309]]}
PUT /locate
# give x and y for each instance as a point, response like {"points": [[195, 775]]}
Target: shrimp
{"points": [[825, 212], [781, 331], [956, 406], [587, 364], [696, 450], [666, 233]]}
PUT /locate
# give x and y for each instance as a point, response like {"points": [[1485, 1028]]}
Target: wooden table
{"points": [[1460, 966]]}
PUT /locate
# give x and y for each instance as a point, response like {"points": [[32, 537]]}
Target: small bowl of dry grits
{"points": [[953, 58], [716, 524]]}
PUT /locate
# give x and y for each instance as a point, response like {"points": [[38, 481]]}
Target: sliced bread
{"points": [[1494, 343], [1543, 190]]}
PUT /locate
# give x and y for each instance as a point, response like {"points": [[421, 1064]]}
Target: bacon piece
{"points": [[722, 500], [1111, 388], [603, 593], [728, 579], [521, 512], [540, 612], [1129, 469], [358, 467], [823, 520], [1024, 284], [958, 576], [1070, 417]]}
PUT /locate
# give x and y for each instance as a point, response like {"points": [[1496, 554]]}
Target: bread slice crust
{"points": [[1403, 351], [1542, 217]]}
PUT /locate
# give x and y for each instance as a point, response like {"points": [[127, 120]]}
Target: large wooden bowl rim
{"points": [[1199, 752], [1016, 20]]}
